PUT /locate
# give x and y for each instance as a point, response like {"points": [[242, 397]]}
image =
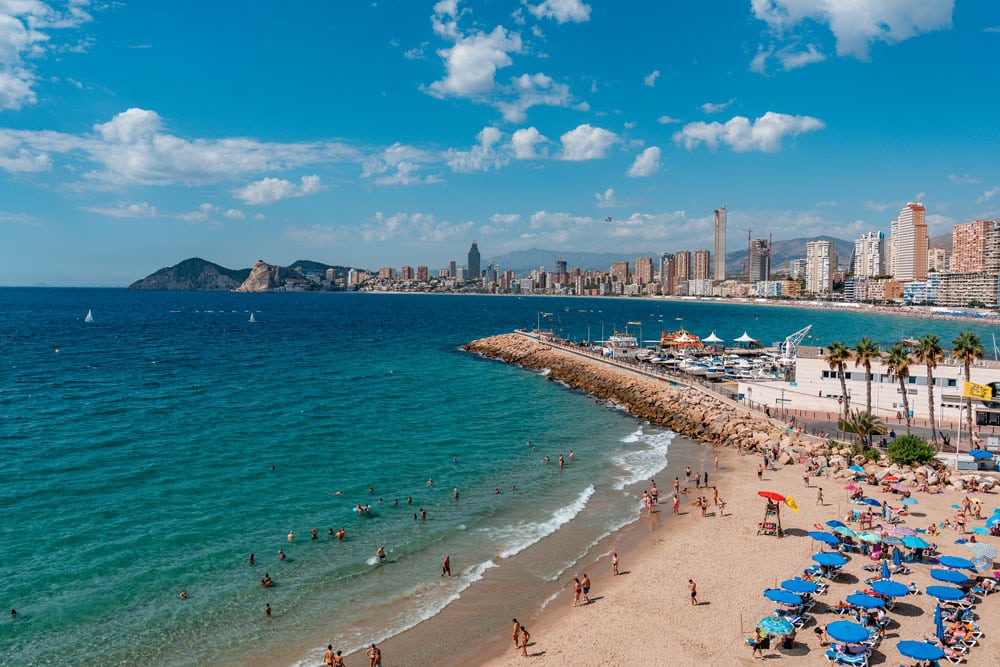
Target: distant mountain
{"points": [[784, 251], [193, 274], [940, 241]]}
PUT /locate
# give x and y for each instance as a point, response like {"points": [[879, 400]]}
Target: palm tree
{"points": [[898, 361], [928, 352], [863, 425], [967, 347], [837, 357], [865, 352]]}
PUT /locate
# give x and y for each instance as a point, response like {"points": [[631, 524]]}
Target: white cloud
{"points": [[482, 157], [122, 210], [529, 90], [563, 11], [399, 164], [416, 53], [964, 180], [646, 164], [17, 159], [876, 206], [421, 227], [318, 235], [856, 25], [607, 199], [789, 57], [764, 134], [200, 214], [709, 107], [587, 143], [667, 120], [524, 142], [650, 79], [505, 218], [473, 61], [234, 214], [988, 195], [270, 190], [500, 223]]}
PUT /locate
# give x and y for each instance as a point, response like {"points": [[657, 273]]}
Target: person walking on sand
{"points": [[374, 656], [722, 507], [524, 641], [338, 660], [577, 590], [760, 471], [677, 505], [585, 582], [328, 656], [694, 592], [819, 496], [805, 477], [446, 566], [614, 563], [716, 463], [517, 633]]}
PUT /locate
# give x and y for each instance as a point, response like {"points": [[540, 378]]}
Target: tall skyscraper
{"points": [[619, 272], [909, 243], [759, 260], [682, 267], [869, 255], [451, 269], [644, 270], [668, 270], [821, 262], [474, 271], [720, 244], [702, 265], [968, 246]]}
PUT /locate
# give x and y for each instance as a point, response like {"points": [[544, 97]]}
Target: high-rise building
{"points": [[821, 262], [759, 260], [474, 269], [619, 272], [797, 269], [422, 273], [720, 244], [406, 273], [938, 259], [644, 270], [451, 269], [668, 269], [682, 266], [869, 255], [702, 265], [968, 246], [909, 243]]}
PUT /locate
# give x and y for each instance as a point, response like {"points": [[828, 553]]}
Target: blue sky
{"points": [[134, 135]]}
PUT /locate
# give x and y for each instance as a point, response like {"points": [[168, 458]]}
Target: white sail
{"points": [[252, 318], [89, 317]]}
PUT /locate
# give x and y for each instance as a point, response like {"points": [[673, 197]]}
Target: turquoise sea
{"points": [[154, 449]]}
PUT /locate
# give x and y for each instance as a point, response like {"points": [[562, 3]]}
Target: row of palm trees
{"points": [[927, 351]]}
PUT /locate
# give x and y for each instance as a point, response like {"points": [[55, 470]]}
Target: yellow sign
{"points": [[979, 391]]}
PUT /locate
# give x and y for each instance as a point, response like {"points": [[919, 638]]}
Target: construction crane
{"points": [[790, 347]]}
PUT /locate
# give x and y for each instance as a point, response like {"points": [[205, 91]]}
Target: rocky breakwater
{"points": [[689, 411]]}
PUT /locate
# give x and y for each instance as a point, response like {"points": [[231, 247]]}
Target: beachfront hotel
{"points": [[908, 243]]}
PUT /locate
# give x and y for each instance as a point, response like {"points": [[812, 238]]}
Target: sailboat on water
{"points": [[252, 318], [89, 317]]}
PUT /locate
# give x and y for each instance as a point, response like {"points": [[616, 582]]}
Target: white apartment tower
{"points": [[720, 244], [821, 262], [869, 255], [909, 243]]}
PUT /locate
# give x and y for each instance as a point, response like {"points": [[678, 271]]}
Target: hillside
{"points": [[193, 274]]}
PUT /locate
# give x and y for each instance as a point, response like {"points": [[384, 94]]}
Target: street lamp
{"points": [[958, 440]]}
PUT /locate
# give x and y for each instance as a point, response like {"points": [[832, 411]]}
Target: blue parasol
{"points": [[856, 468], [955, 562], [949, 576], [844, 530], [910, 501], [824, 537], [776, 625], [893, 589], [833, 523], [847, 632], [865, 601], [782, 597], [798, 585], [872, 502], [980, 454], [915, 542], [897, 560], [993, 520], [983, 549], [893, 541], [979, 530], [885, 570], [945, 592], [919, 650], [982, 563], [938, 622], [829, 559]]}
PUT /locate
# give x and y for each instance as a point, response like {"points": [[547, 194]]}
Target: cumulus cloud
{"points": [[646, 164], [18, 159], [234, 214], [855, 25], [525, 142], [399, 164], [270, 190], [963, 180], [667, 120], [471, 64], [530, 90], [709, 107], [562, 11], [482, 157], [988, 195], [587, 143], [423, 227], [122, 210], [650, 79], [788, 57], [606, 199], [499, 223], [763, 134]]}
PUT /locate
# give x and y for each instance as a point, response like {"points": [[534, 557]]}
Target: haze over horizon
{"points": [[133, 136]]}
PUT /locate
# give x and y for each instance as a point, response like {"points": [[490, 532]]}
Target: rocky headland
{"points": [[696, 412]]}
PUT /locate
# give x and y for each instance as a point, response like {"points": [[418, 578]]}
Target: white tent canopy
{"points": [[712, 338], [745, 338]]}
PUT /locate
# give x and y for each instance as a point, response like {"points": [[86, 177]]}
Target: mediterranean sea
{"points": [[155, 448]]}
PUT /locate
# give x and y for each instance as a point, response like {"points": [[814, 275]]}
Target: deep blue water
{"points": [[137, 454]]}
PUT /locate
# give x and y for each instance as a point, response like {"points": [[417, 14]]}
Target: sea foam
{"points": [[639, 465], [519, 537]]}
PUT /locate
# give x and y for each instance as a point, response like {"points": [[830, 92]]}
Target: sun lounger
{"points": [[859, 659]]}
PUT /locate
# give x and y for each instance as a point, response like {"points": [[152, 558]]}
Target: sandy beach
{"points": [[645, 617]]}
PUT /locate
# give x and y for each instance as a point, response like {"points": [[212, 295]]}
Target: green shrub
{"points": [[910, 449], [872, 454]]}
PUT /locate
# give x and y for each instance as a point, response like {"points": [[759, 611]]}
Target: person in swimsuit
{"points": [[446, 567], [517, 633], [614, 563], [524, 641], [380, 554], [694, 592], [328, 656], [585, 583], [577, 589]]}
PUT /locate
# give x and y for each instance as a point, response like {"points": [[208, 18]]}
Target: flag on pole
{"points": [[791, 503]]}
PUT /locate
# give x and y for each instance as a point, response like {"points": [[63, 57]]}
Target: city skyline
{"points": [[132, 136]]}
